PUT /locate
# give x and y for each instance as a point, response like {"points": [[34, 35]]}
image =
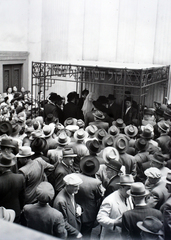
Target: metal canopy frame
{"points": [[120, 76]]}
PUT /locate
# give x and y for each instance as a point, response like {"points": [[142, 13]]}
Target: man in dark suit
{"points": [[139, 213], [65, 203], [11, 185], [113, 108], [130, 113]]}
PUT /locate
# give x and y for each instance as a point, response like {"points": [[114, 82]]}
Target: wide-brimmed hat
{"points": [[72, 179], [5, 128], [50, 118], [100, 134], [70, 121], [114, 165], [36, 134], [7, 214], [48, 130], [80, 135], [53, 97], [89, 165], [153, 172], [25, 151], [63, 139], [141, 144], [119, 123], [113, 130], [167, 113], [146, 133], [72, 128], [45, 192], [158, 157], [152, 225], [108, 140], [121, 144], [110, 154], [126, 180], [93, 146], [148, 111], [164, 126], [138, 190], [91, 129], [7, 159], [80, 123], [131, 130], [168, 178], [99, 115], [7, 142], [68, 152], [111, 97], [38, 144], [159, 112]]}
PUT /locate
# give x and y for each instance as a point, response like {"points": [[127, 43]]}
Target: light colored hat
{"points": [[80, 134], [113, 130], [153, 172], [7, 214], [121, 144], [110, 153], [152, 225], [72, 128], [126, 180], [119, 123], [168, 178], [138, 190], [48, 130], [99, 115], [80, 123], [45, 192], [25, 151], [63, 139], [164, 126], [70, 121], [131, 130], [72, 179], [91, 129], [68, 152], [108, 141], [7, 159]]}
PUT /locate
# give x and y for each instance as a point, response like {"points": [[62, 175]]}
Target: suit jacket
{"points": [[72, 110], [12, 188], [112, 185], [129, 162], [45, 219], [51, 108], [114, 111], [129, 116], [166, 210], [89, 197], [131, 217], [112, 207], [162, 142], [63, 203]]}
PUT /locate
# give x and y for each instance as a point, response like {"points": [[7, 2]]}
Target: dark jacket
{"points": [[72, 110]]}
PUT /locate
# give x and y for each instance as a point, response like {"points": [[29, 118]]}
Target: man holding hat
{"points": [[12, 185], [130, 218], [65, 203], [166, 209], [112, 208], [99, 120], [41, 216]]}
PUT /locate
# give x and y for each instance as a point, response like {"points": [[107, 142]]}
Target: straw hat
{"points": [[63, 139], [164, 126], [131, 130], [99, 115], [70, 121], [48, 130], [91, 129], [113, 130], [110, 154], [80, 134], [25, 151]]}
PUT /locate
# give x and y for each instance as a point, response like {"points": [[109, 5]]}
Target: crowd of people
{"points": [[85, 164]]}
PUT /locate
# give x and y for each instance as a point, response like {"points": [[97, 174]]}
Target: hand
{"points": [[78, 210], [79, 235]]}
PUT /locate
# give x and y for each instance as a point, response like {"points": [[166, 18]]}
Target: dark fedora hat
{"points": [[141, 144], [93, 146], [111, 97], [53, 97], [100, 134], [121, 144], [138, 190], [152, 225], [7, 160], [167, 113], [7, 142], [159, 112], [114, 165], [158, 157], [99, 115], [131, 130], [146, 133], [38, 144], [50, 118], [89, 165], [164, 126], [5, 128], [148, 111], [113, 130], [119, 123], [102, 99]]}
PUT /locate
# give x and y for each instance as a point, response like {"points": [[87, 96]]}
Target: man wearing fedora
{"points": [[99, 120], [90, 194], [112, 208], [130, 113], [33, 172], [130, 218], [12, 186], [63, 168], [163, 128], [113, 108], [66, 204], [166, 209]]}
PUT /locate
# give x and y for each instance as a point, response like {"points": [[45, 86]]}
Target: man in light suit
{"points": [[112, 208], [65, 203]]}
